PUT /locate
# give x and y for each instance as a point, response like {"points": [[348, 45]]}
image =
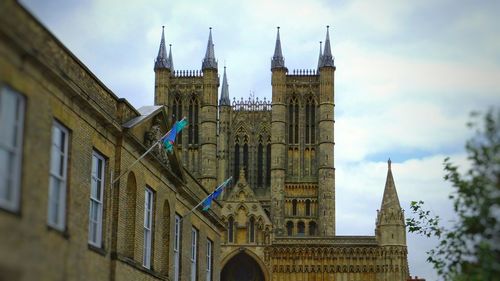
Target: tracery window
{"points": [[177, 115], [251, 230], [245, 157], [310, 121], [260, 164], [268, 164], [230, 230], [193, 121], [236, 159], [293, 121], [294, 207]]}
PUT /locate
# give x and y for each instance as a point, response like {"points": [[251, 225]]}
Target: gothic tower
{"points": [[209, 117], [302, 168], [278, 145], [326, 171], [162, 70], [191, 94]]}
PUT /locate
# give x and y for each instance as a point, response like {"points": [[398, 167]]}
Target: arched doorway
{"points": [[242, 267]]}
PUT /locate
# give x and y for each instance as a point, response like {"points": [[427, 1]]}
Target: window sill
{"points": [[64, 233], [139, 267], [96, 249], [16, 213]]}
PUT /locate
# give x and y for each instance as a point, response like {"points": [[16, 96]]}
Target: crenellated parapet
{"points": [[251, 104]]}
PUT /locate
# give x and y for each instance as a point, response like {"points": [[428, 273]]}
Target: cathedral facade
{"points": [[280, 212]]}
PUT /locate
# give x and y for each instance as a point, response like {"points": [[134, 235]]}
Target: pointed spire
{"points": [[390, 199], [327, 59], [224, 94], [278, 61], [320, 54], [209, 61], [161, 61], [170, 58]]}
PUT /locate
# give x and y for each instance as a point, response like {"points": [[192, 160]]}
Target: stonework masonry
{"points": [[275, 222], [280, 212]]}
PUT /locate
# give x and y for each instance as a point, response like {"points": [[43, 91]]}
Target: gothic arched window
{"points": [[308, 207], [310, 121], [236, 160], [251, 230], [193, 121], [268, 164], [230, 230], [294, 207], [177, 115], [245, 157], [301, 228], [260, 164], [293, 121], [289, 228]]}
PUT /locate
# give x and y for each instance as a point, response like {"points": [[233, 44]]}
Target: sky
{"points": [[408, 74]]}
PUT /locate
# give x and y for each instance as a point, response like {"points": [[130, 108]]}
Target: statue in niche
{"points": [[153, 135]]}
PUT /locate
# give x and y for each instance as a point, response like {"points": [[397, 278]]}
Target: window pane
{"points": [[8, 117], [99, 190], [5, 182], [95, 210], [57, 184]]}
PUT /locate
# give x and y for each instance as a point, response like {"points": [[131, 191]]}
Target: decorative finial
{"points": [[327, 27], [210, 28], [389, 163], [278, 27]]}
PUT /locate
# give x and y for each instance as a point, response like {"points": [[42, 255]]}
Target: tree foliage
{"points": [[469, 249]]}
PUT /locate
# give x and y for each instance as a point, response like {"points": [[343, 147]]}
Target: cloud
{"points": [[408, 74]]}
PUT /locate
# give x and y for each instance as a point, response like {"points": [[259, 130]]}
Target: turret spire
{"points": [[224, 94], [320, 54], [278, 61], [390, 223], [327, 59], [170, 58], [209, 61], [390, 199], [161, 61]]}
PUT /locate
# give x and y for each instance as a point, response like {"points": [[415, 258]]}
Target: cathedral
{"points": [[280, 211], [86, 194]]}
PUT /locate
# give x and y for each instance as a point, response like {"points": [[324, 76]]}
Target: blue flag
{"points": [[207, 203], [169, 139]]}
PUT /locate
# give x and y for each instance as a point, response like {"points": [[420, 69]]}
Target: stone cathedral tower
{"points": [[280, 211]]}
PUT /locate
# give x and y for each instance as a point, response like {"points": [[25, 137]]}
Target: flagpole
{"points": [[143, 155], [203, 200]]}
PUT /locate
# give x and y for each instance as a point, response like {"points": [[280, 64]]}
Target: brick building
{"points": [[64, 136]]}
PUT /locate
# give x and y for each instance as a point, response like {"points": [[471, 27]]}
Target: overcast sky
{"points": [[408, 75]]}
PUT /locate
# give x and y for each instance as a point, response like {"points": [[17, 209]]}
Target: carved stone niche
{"points": [[153, 135]]}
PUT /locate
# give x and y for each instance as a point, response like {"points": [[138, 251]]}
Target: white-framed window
{"points": [[148, 226], [209, 260], [177, 244], [194, 253], [11, 142], [58, 176], [96, 199]]}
